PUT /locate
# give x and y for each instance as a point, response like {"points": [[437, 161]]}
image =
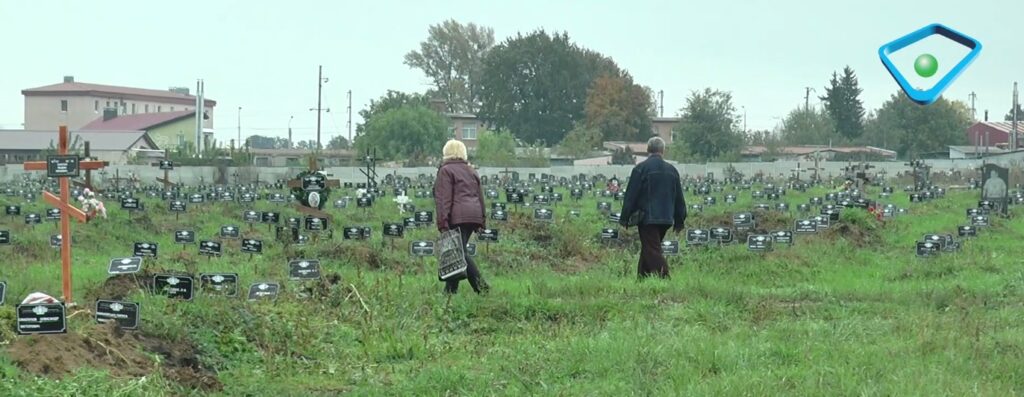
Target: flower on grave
{"points": [[402, 201]]}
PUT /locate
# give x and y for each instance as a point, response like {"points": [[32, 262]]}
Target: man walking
{"points": [[654, 202]]}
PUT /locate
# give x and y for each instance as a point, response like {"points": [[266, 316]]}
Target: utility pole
{"points": [[239, 126], [319, 100], [807, 98], [199, 117], [973, 97], [661, 103], [290, 144], [350, 117], [1013, 135]]}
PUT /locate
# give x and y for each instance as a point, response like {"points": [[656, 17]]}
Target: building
{"points": [[117, 147], [170, 130], [662, 127], [464, 127], [807, 152], [77, 104], [300, 157], [973, 152], [993, 133]]}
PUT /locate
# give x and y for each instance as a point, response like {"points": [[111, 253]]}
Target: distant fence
{"points": [[195, 175]]}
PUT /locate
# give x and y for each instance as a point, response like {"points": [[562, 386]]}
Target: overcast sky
{"points": [[263, 56]]}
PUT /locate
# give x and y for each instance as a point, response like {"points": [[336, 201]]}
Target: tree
{"points": [[580, 142], [307, 145], [391, 100], [1020, 114], [535, 86], [623, 157], [452, 56], [495, 149], [914, 130], [844, 105], [338, 142], [707, 129], [411, 132], [803, 126], [266, 142], [619, 109]]}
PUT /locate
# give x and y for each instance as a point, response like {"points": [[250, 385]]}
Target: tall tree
{"points": [[803, 126], [914, 130], [495, 149], [708, 126], [580, 141], [338, 142], [452, 56], [842, 101], [619, 109], [411, 132], [266, 142], [391, 100], [535, 86], [1020, 114]]}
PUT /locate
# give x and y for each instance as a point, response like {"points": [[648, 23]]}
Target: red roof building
{"points": [[994, 133]]}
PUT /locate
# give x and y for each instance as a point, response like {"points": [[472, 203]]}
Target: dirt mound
{"points": [[856, 234], [122, 354], [121, 286]]}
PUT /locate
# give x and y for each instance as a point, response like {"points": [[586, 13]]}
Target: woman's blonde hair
{"points": [[455, 150]]}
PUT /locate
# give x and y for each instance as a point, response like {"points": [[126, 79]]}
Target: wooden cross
{"points": [[88, 173], [166, 180], [67, 210]]}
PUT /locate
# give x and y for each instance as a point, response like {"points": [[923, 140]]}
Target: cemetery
{"points": [[331, 286]]}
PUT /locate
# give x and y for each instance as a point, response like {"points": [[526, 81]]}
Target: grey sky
{"points": [[263, 56]]}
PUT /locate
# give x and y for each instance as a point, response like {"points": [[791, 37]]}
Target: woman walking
{"points": [[459, 203]]}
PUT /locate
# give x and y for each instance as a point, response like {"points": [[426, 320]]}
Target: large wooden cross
{"points": [[166, 165], [67, 210]]}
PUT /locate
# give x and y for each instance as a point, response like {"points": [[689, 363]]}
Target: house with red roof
{"points": [[161, 113]]}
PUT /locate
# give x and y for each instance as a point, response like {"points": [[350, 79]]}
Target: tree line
{"points": [[541, 89]]}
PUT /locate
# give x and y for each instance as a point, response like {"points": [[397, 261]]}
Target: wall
{"points": [[191, 175]]}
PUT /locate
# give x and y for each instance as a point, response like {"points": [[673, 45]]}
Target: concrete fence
{"points": [[195, 175]]}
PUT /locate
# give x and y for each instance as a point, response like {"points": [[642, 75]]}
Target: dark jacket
{"points": [[655, 189], [458, 197]]}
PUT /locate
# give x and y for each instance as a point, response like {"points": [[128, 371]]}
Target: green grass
{"points": [[566, 315]]}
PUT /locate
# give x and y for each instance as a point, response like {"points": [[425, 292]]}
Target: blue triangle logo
{"points": [[925, 97]]}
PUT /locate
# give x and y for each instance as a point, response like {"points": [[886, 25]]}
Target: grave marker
{"points": [[210, 248], [258, 291], [697, 237], [174, 286], [125, 314], [124, 265], [224, 284], [145, 249], [45, 318], [304, 269]]}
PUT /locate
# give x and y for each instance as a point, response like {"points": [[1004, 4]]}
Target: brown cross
{"points": [[166, 180], [67, 210], [88, 173]]}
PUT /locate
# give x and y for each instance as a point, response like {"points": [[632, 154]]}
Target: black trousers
{"points": [[472, 272], [652, 262]]}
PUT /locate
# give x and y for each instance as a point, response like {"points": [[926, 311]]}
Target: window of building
{"points": [[469, 132], [108, 104], [64, 105], [145, 108], [159, 109], [291, 161], [133, 108], [263, 162], [451, 132], [172, 108], [96, 106], [181, 141]]}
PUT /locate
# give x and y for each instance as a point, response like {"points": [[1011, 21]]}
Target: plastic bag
{"points": [[451, 257]]}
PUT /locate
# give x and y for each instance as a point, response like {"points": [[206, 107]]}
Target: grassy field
{"points": [[848, 312]]}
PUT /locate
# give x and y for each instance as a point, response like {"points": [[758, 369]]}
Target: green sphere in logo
{"points": [[926, 65]]}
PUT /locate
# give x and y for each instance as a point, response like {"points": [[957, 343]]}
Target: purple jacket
{"points": [[457, 196]]}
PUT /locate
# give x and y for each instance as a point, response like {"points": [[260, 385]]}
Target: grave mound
{"points": [[107, 348]]}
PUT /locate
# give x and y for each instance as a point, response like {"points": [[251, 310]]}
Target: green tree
{"points": [[914, 130], [411, 132], [307, 145], [495, 149], [618, 108], [266, 142], [708, 128], [1020, 114], [804, 126], [580, 142], [391, 100], [535, 86], [338, 142], [452, 56], [842, 101]]}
